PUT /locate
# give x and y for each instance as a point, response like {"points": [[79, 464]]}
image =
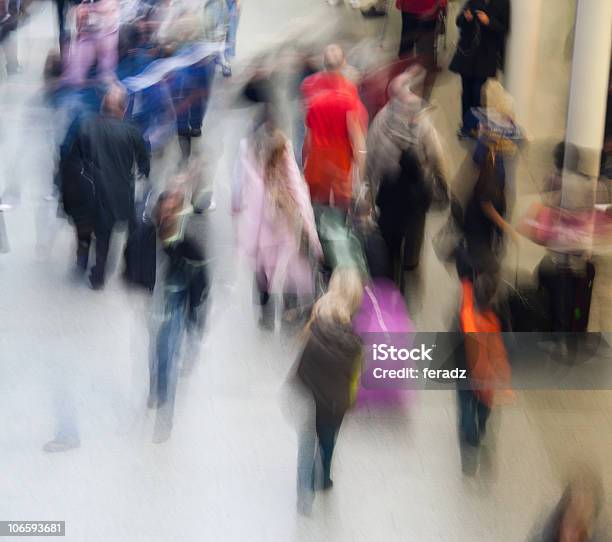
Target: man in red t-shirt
{"points": [[335, 132]]}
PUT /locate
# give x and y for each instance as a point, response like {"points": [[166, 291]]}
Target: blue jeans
{"points": [[316, 442], [232, 29], [190, 93], [473, 416], [183, 313], [470, 98], [168, 345]]}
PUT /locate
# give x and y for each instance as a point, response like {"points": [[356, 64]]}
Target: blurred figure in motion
{"points": [[64, 37], [191, 89], [197, 31], [306, 64], [327, 371], [276, 228], [483, 26], [9, 20], [151, 107], [486, 359], [233, 8], [182, 292], [578, 516], [405, 171], [563, 153], [484, 222], [498, 134], [406, 123], [106, 151], [260, 91], [96, 42], [403, 201], [419, 19], [335, 132]]}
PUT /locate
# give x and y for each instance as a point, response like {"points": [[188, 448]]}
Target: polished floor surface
{"points": [[228, 472]]}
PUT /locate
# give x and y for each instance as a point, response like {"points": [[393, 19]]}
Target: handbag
{"points": [[449, 237]]}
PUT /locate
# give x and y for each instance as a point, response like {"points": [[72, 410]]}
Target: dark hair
{"points": [[53, 65], [167, 194], [566, 156]]}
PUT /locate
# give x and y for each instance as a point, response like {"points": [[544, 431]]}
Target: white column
{"points": [[522, 58], [589, 84]]}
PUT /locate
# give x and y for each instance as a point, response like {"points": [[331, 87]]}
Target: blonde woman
{"points": [[327, 369]]}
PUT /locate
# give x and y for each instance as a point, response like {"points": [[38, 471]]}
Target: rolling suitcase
{"points": [[529, 307], [570, 293], [383, 314], [140, 253]]}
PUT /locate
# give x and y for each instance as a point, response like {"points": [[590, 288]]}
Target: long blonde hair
{"points": [[342, 299]]}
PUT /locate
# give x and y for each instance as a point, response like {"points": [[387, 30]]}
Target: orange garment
{"points": [[487, 361], [328, 155]]}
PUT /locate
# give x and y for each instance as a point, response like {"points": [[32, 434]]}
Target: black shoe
{"points": [[328, 483], [373, 12], [463, 135], [196, 132], [266, 322], [81, 262], [95, 284]]}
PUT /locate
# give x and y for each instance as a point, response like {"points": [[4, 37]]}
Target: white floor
{"points": [[228, 473]]}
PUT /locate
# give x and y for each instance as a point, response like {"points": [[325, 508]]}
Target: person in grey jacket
{"points": [[405, 123]]}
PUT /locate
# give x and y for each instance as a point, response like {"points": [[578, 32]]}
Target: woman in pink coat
{"points": [[276, 228]]}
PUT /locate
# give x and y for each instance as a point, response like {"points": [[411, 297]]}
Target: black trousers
{"points": [[61, 20], [471, 90], [103, 236], [83, 233], [473, 416], [417, 36], [84, 237], [327, 427]]}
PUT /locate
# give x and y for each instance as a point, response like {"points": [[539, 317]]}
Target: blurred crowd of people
{"points": [[330, 202]]}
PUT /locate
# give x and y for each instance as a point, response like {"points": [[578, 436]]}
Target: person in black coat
{"points": [[109, 148], [484, 26], [403, 200], [326, 370]]}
